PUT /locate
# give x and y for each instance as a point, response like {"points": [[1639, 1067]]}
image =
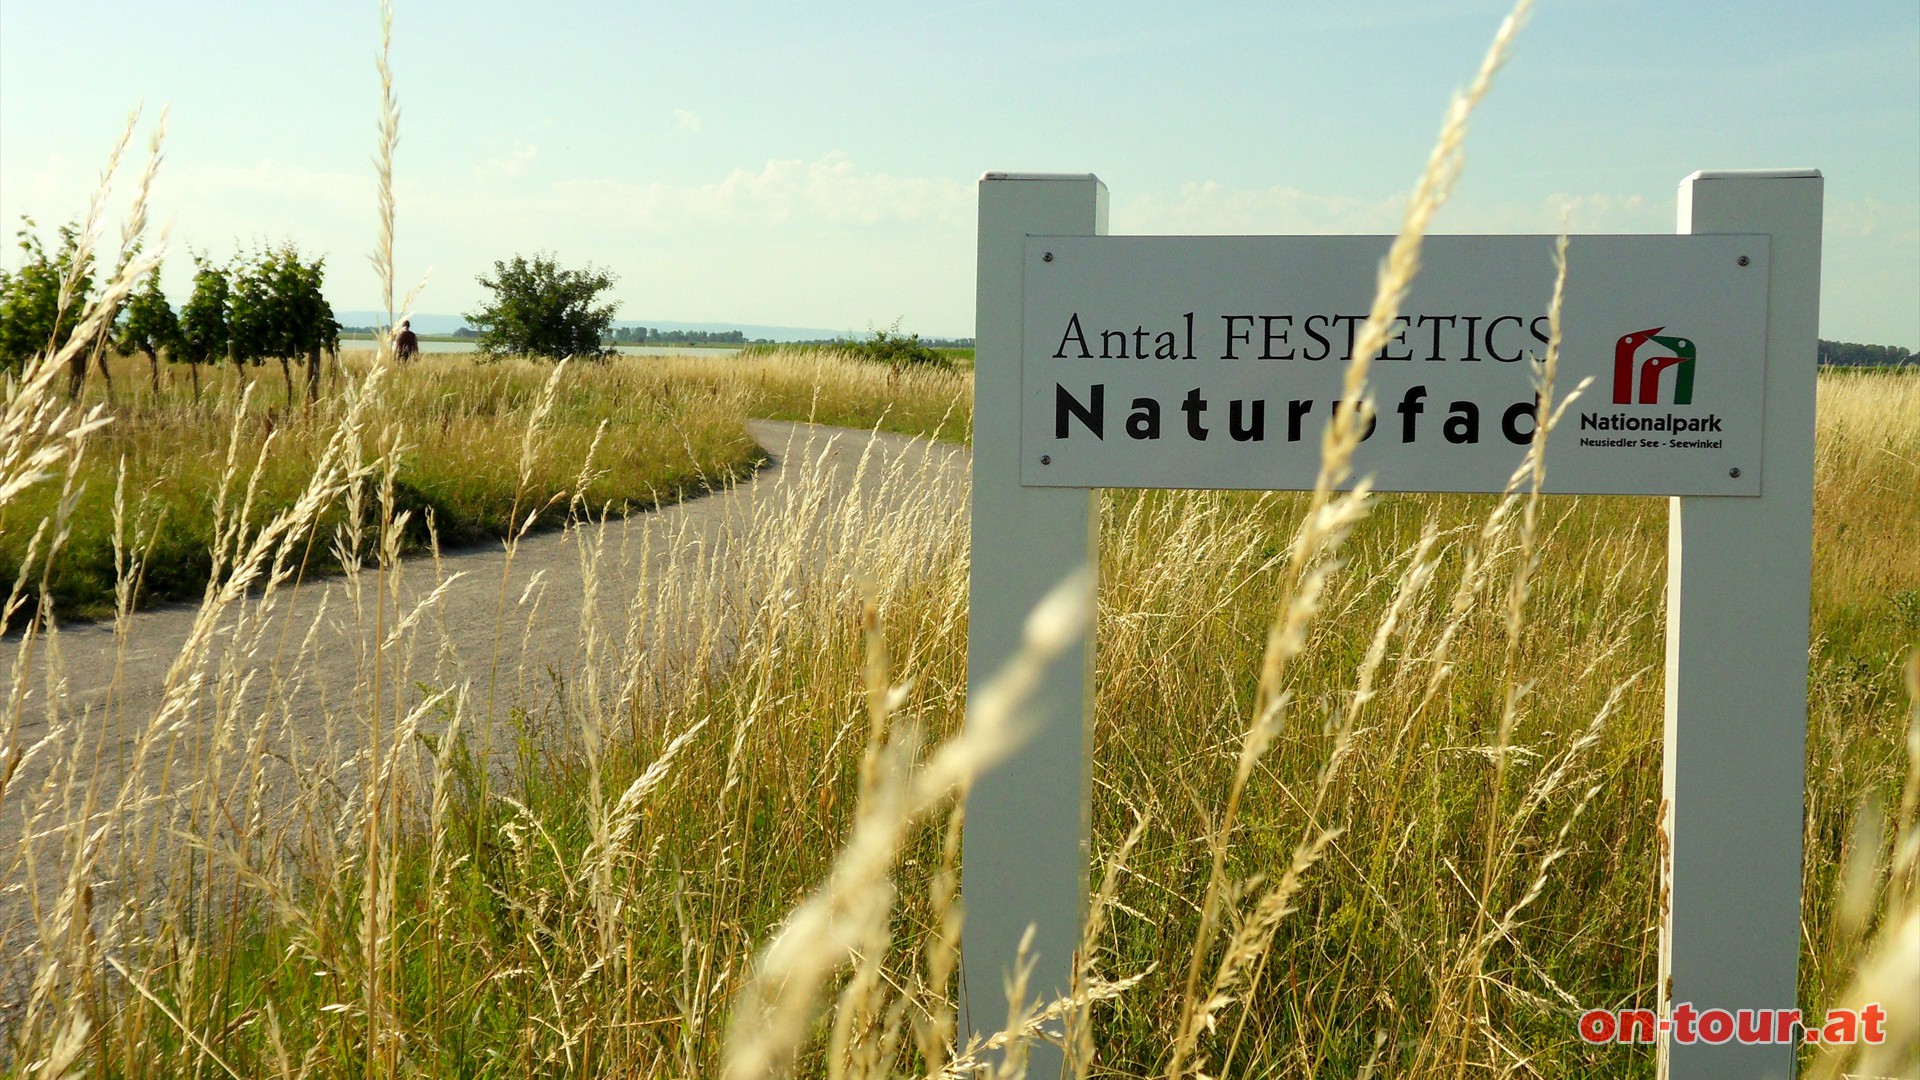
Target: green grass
{"points": [[961, 357], [675, 429], [825, 386], [458, 429]]}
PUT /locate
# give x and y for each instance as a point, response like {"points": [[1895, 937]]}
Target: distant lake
{"points": [[355, 341]]}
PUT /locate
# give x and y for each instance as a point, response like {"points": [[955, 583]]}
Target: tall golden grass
{"points": [[603, 906], [1377, 779]]}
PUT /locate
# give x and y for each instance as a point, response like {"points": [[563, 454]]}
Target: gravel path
{"points": [[538, 625], [292, 674]]}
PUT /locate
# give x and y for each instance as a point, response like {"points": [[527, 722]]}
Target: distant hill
{"points": [[422, 324], [427, 323]]}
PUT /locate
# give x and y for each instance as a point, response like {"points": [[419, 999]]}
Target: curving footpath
{"points": [[509, 628]]}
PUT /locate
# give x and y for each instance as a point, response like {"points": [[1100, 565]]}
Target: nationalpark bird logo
{"points": [[1636, 381], [1678, 356]]}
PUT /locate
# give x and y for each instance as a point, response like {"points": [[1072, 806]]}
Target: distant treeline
{"points": [[929, 342], [1851, 354], [653, 335], [622, 335]]}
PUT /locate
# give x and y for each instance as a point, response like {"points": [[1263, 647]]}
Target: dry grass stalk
{"points": [[1884, 889], [850, 909], [1327, 522], [725, 699], [383, 172]]}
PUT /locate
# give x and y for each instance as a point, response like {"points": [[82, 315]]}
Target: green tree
{"points": [[42, 303], [255, 324], [539, 309], [148, 325], [204, 332], [278, 311], [320, 334]]}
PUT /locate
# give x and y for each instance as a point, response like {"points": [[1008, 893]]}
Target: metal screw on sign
{"points": [[1744, 260], [1734, 472], [1048, 257], [1047, 459]]}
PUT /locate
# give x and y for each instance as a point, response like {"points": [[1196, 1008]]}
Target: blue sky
{"points": [[814, 163]]}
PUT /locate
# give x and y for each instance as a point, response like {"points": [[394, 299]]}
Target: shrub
{"points": [[539, 309], [889, 346]]}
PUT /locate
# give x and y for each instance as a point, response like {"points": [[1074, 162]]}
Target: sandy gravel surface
{"points": [[293, 674], [539, 624]]}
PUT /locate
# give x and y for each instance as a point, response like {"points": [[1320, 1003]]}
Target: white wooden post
{"points": [[1025, 853], [1737, 635]]}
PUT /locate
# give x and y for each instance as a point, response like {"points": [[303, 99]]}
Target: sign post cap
{"points": [[1751, 174], [1053, 176]]}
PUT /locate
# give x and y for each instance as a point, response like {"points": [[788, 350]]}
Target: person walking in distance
{"points": [[405, 345]]}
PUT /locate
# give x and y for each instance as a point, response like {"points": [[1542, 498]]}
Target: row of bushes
{"points": [[885, 346]]}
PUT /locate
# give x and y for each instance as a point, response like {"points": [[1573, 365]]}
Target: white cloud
{"points": [[1868, 218], [687, 120], [817, 241], [1210, 207], [1608, 213], [831, 191], [52, 177], [276, 182], [512, 163], [1870, 272]]}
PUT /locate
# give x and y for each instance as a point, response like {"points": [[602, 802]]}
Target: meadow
{"points": [[1480, 805], [1376, 779], [650, 432]]}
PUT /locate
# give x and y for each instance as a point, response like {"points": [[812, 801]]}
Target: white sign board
{"points": [[1216, 361], [1695, 343]]}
